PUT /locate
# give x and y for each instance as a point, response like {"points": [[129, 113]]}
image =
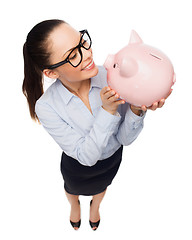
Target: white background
{"points": [[151, 195]]}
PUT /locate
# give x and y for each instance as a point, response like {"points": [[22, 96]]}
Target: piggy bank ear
{"points": [[134, 38], [128, 67], [109, 61]]}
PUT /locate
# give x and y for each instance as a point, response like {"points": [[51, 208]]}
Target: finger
{"points": [[104, 90], [154, 106], [114, 98], [105, 93], [109, 94], [161, 103], [119, 102], [136, 107], [143, 108]]}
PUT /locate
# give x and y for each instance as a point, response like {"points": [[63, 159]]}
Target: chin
{"points": [[92, 73]]}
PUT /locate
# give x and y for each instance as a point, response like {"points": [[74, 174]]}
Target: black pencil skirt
{"points": [[89, 181]]}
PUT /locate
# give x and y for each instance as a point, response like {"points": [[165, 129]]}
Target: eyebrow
{"points": [[68, 51], [72, 47]]}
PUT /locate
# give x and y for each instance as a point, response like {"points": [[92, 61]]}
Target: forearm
{"points": [[131, 127], [89, 149]]}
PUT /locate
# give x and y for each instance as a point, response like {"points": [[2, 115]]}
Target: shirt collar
{"points": [[65, 94]]}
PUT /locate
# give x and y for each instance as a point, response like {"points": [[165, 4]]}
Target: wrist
{"points": [[136, 111], [109, 111]]}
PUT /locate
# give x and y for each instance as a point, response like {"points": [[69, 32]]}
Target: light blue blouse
{"points": [[84, 136]]}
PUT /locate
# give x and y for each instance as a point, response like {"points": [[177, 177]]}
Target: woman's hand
{"points": [[110, 100], [153, 107]]}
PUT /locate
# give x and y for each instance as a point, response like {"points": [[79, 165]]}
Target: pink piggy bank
{"points": [[139, 73]]}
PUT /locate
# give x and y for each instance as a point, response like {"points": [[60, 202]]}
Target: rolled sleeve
{"points": [[107, 120], [134, 119], [130, 128]]}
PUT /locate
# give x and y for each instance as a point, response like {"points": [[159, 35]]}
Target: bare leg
{"points": [[94, 208], [75, 215]]}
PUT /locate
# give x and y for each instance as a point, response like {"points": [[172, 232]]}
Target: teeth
{"points": [[89, 65]]}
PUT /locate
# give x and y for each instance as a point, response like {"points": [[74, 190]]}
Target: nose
{"points": [[86, 53]]}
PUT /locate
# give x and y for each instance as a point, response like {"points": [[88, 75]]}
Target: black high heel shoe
{"points": [[76, 224], [94, 224]]}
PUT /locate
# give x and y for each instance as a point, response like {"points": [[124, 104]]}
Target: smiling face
{"points": [[61, 41]]}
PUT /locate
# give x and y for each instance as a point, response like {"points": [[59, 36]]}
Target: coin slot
{"points": [[155, 56]]}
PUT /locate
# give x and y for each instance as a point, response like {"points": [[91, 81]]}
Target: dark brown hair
{"points": [[36, 58]]}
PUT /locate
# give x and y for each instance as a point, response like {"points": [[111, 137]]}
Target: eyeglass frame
{"points": [[79, 46]]}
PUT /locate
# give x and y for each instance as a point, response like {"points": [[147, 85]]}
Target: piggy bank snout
{"points": [[109, 61], [128, 67]]}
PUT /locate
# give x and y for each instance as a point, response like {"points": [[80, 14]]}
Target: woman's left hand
{"points": [[153, 107]]}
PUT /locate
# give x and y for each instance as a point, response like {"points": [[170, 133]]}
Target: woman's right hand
{"points": [[110, 100]]}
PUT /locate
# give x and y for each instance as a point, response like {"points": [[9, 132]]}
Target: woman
{"points": [[82, 114]]}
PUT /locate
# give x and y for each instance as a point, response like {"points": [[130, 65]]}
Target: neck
{"points": [[78, 88]]}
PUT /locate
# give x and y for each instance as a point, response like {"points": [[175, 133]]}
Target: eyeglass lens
{"points": [[75, 56]]}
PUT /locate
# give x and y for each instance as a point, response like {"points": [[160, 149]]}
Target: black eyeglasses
{"points": [[75, 56]]}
